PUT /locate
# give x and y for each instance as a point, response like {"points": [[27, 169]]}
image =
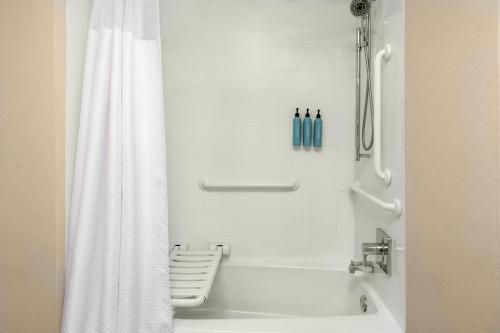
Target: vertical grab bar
{"points": [[384, 54]]}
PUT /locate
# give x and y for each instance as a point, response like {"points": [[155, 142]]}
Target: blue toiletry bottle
{"points": [[318, 131], [297, 129], [307, 130]]}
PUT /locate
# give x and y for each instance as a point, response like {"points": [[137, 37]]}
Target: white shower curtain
{"points": [[117, 247]]}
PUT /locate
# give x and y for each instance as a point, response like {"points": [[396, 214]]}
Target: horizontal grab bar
{"points": [[292, 185], [395, 206]]}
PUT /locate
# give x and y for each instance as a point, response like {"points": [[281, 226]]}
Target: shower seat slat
{"points": [[185, 258], [188, 277], [185, 284], [189, 270], [189, 264], [196, 253], [186, 292]]}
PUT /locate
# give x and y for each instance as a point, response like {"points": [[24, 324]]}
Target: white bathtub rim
{"points": [[331, 266], [372, 323], [381, 321]]}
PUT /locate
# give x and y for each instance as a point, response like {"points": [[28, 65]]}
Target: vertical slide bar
{"points": [[358, 93]]}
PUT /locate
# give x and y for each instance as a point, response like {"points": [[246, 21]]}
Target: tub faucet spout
{"points": [[361, 266]]}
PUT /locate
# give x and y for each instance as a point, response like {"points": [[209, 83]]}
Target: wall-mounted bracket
{"points": [[226, 247]]}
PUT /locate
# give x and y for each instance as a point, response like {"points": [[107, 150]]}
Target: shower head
{"points": [[360, 7]]}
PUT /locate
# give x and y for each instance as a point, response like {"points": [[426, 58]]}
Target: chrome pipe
{"points": [[358, 94]]}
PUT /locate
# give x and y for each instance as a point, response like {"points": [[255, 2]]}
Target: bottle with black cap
{"points": [[318, 131], [307, 131], [297, 129]]}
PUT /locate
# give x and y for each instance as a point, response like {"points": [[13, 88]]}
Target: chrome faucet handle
{"points": [[372, 249], [381, 249]]}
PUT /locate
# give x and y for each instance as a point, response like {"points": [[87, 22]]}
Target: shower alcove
{"points": [[234, 71]]}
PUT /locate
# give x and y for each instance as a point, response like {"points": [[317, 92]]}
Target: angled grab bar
{"points": [[384, 54], [292, 185], [394, 207]]}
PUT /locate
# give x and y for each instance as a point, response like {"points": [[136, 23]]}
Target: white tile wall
{"points": [[388, 25], [77, 22], [234, 71]]}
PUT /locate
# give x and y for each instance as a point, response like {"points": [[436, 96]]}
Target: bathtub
{"points": [[246, 298]]}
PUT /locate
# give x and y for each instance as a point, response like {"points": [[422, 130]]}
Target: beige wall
{"points": [[32, 59], [453, 252], [452, 158]]}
